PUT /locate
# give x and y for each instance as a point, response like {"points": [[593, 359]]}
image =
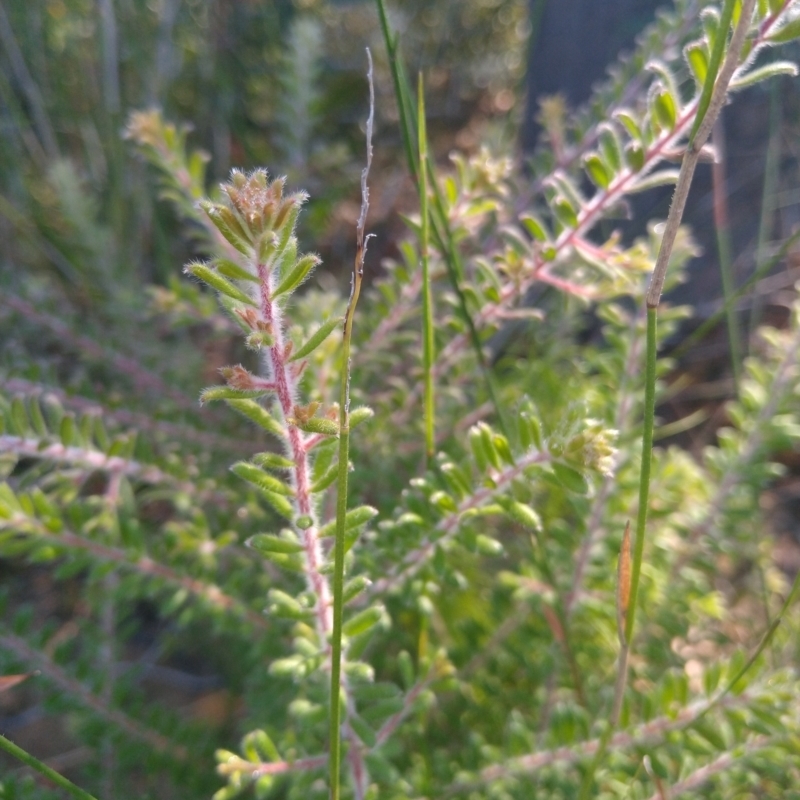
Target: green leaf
{"points": [[610, 147], [230, 269], [597, 170], [19, 417], [534, 226], [696, 55], [353, 588], [570, 478], [213, 393], [67, 432], [263, 480], [216, 281], [273, 461], [665, 109], [634, 155], [629, 122], [279, 503], [359, 415], [710, 732], [258, 746], [267, 543], [770, 70], [521, 513], [363, 621], [717, 52], [354, 518], [40, 426], [316, 338], [325, 480], [226, 223], [321, 425], [487, 546], [296, 275], [383, 709], [564, 211], [664, 177], [258, 414], [362, 730], [786, 33]]}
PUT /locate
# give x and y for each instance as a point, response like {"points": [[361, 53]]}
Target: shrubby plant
{"points": [[465, 570]]}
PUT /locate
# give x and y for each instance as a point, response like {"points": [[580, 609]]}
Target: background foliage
{"points": [[481, 646]]}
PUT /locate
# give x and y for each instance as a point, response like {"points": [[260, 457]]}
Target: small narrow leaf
{"points": [[258, 414], [274, 461], [263, 480], [359, 415], [597, 170], [354, 518], [522, 514], [719, 38], [279, 503], [362, 730], [296, 274], [787, 32], [316, 338], [564, 211], [610, 147], [629, 122], [664, 177], [363, 621], [67, 432], [325, 480], [355, 587], [634, 155], [763, 73], [664, 107], [19, 416], [570, 478], [487, 546], [321, 425], [696, 55], [40, 426], [534, 226], [230, 269], [267, 543], [213, 393], [216, 281]]}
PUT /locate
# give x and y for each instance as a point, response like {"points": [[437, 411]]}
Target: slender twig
{"points": [[647, 734], [344, 461], [448, 527], [43, 769], [146, 566], [719, 764], [123, 417]]}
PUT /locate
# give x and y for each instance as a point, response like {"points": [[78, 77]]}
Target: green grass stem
{"points": [[344, 461], [723, 235], [428, 344], [713, 66], [770, 186], [42, 768], [440, 227], [644, 476]]}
